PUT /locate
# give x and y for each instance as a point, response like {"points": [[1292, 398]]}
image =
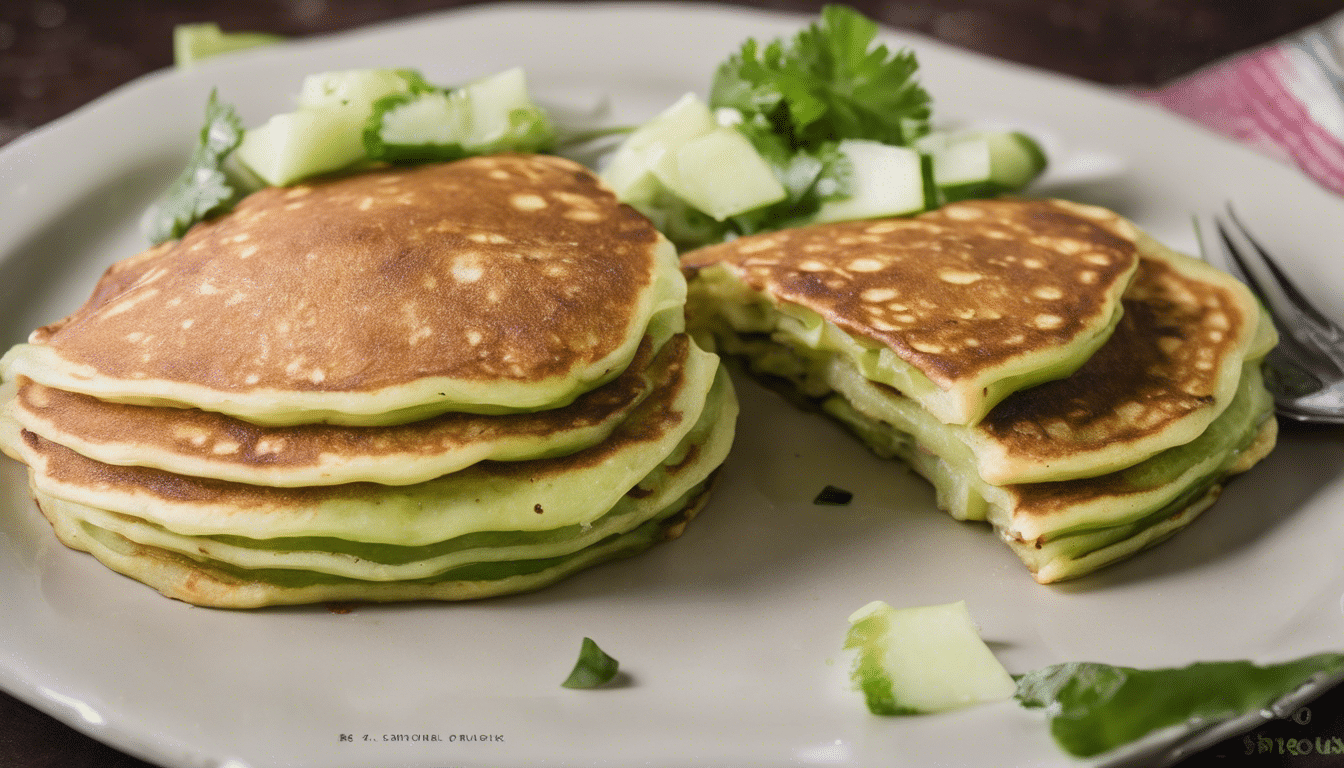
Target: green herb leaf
{"points": [[204, 187], [830, 82], [415, 81], [594, 667], [1094, 708]]}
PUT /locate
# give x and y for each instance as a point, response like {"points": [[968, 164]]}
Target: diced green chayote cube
{"points": [[629, 173], [922, 660], [886, 180]]}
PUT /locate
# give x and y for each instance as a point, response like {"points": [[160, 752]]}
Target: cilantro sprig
{"points": [[593, 669], [799, 98], [204, 187], [830, 82]]}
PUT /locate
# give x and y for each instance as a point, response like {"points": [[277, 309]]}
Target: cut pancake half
{"points": [[1076, 471], [1173, 365], [1062, 530], [488, 285], [956, 308]]}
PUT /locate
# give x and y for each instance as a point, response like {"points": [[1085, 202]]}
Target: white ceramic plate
{"points": [[730, 636]]}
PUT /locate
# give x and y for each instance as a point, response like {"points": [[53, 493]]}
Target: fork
{"points": [[1305, 372]]}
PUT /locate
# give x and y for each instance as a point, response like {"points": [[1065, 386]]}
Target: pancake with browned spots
{"points": [[491, 528], [569, 489], [443, 382], [189, 441], [185, 576], [485, 285], [1171, 367], [1079, 470], [956, 308]]}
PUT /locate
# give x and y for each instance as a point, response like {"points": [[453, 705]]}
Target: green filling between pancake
{"points": [[205, 570], [1070, 528], [667, 487], [1081, 523], [639, 537], [571, 490], [211, 445], [725, 307], [182, 578], [1079, 423]]}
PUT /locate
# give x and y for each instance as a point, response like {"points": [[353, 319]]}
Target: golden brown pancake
{"points": [[1074, 472], [488, 530], [1169, 369], [1068, 528], [1056, 558], [208, 444], [521, 495], [487, 284], [441, 382], [968, 295]]}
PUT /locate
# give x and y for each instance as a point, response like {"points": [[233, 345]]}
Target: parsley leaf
{"points": [[829, 83], [797, 99], [204, 187], [1094, 708], [594, 667]]}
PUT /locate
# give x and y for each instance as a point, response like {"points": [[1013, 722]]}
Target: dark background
{"points": [[57, 55]]}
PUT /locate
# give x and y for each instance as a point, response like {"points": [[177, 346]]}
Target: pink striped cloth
{"points": [[1285, 99]]}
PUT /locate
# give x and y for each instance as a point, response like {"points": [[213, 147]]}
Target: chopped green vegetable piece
{"points": [[720, 174], [326, 132], [195, 42], [594, 667], [832, 496], [887, 181], [629, 172], [205, 187], [811, 179], [975, 164], [794, 101], [357, 88], [831, 82], [488, 116], [921, 660], [1094, 708]]}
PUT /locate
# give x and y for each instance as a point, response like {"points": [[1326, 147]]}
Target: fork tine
{"points": [[1317, 343], [1290, 290], [1243, 269], [1305, 372]]}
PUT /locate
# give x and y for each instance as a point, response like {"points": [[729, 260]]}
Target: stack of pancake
{"points": [[1047, 366], [445, 382]]}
